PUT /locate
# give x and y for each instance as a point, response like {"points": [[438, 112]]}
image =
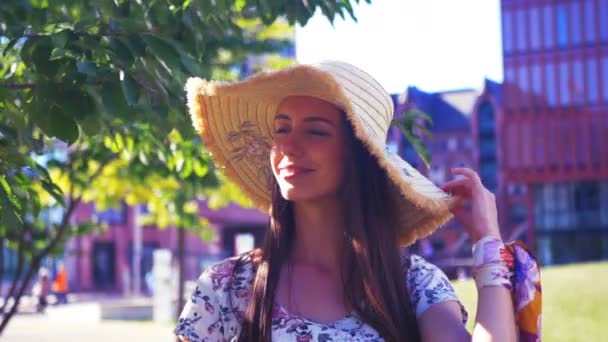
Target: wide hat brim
{"points": [[235, 121]]}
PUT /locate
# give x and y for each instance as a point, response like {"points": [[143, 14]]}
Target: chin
{"points": [[296, 196], [303, 194]]}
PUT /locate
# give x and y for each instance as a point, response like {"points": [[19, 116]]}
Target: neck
{"points": [[319, 233]]}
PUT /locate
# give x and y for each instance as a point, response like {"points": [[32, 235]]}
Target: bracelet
{"points": [[492, 263]]}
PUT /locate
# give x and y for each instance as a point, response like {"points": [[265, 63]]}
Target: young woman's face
{"points": [[307, 155]]}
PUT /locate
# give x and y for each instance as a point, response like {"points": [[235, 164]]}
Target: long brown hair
{"points": [[372, 274]]}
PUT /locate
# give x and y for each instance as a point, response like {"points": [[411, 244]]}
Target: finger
{"points": [[465, 171], [459, 187], [462, 193], [464, 182]]}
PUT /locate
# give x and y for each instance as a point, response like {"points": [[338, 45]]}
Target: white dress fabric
{"points": [[211, 315]]}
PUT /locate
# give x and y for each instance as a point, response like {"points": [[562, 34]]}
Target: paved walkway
{"points": [[80, 321], [41, 328]]}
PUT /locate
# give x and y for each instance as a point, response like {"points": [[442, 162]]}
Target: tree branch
{"points": [[5, 319], [19, 86], [20, 261], [1, 265]]}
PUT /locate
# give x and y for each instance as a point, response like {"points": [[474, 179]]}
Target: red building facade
{"points": [[551, 126], [104, 261]]}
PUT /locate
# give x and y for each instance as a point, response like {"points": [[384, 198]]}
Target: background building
{"points": [[450, 147], [551, 127]]}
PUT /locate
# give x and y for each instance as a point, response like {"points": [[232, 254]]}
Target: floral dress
{"points": [[211, 315]]}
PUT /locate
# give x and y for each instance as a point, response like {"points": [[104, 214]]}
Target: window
{"points": [[243, 242], [113, 215], [519, 211], [507, 32], [575, 23], [587, 204], [578, 90], [510, 87], [562, 25], [487, 173], [522, 29], [522, 82], [605, 79], [10, 260], [603, 14], [535, 28], [487, 148], [564, 80], [486, 119], [570, 206], [437, 174], [589, 21], [592, 85], [548, 32], [551, 86], [537, 85], [604, 204], [452, 144]]}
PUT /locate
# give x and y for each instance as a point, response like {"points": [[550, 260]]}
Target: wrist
{"points": [[485, 233], [492, 263]]}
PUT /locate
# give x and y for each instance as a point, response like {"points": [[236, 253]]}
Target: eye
{"points": [[281, 130], [318, 133]]}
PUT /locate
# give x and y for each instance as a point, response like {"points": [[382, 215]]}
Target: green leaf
{"points": [[114, 100], [10, 218], [60, 38], [85, 25], [76, 104], [136, 44], [41, 57], [91, 125], [163, 50], [86, 67], [54, 191], [122, 51], [10, 45], [63, 127], [129, 88], [27, 52], [200, 168]]}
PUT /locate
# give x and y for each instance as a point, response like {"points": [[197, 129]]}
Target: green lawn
{"points": [[575, 302]]}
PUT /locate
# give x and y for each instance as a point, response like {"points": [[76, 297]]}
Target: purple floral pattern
{"points": [[253, 147], [210, 315]]}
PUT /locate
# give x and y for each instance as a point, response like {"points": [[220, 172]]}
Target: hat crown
{"points": [[370, 101]]}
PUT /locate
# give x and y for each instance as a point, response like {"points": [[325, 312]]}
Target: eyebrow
{"points": [[307, 119]]}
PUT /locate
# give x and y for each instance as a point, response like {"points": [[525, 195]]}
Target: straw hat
{"points": [[235, 121]]}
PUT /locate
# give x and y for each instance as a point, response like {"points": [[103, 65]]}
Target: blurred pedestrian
{"points": [[41, 289], [149, 279], [60, 285]]}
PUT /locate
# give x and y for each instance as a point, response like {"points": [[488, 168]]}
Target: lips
{"points": [[293, 171]]}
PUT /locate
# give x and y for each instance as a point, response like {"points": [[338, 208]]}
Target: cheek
{"points": [[274, 159], [333, 159]]}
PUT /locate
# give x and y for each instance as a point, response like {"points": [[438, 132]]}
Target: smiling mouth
{"points": [[290, 172]]}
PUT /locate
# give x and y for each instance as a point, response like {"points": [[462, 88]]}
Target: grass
{"points": [[575, 302]]}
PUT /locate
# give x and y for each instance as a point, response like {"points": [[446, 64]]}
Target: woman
{"points": [[306, 144]]}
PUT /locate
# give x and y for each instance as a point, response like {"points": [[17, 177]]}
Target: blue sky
{"points": [[433, 44]]}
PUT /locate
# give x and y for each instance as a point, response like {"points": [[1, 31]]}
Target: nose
{"points": [[289, 145]]}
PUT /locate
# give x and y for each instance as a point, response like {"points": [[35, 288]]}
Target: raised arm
{"points": [[495, 266]]}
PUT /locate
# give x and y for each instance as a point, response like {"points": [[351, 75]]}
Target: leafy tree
{"points": [[102, 81]]}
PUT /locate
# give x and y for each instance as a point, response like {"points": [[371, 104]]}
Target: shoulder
{"points": [[218, 301], [229, 277], [427, 284]]}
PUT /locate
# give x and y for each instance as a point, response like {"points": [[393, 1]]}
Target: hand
{"points": [[477, 212]]}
